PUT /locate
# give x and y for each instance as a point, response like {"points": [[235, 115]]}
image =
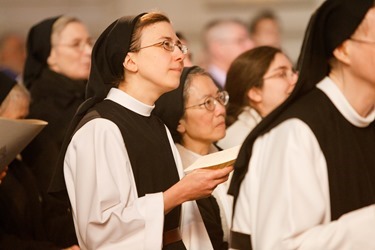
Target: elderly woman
{"points": [[56, 70], [258, 81], [195, 115]]}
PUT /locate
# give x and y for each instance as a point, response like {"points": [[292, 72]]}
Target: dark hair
{"points": [[265, 14], [246, 72]]}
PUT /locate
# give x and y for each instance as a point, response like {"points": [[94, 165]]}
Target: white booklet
{"points": [[15, 134], [221, 159]]}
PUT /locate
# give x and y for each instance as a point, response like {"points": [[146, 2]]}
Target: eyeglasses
{"points": [[167, 45], [78, 45], [286, 74], [362, 41], [211, 102]]}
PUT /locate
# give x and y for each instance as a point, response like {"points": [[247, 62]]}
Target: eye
{"points": [[76, 44], [283, 74], [168, 44], [210, 103], [90, 42]]}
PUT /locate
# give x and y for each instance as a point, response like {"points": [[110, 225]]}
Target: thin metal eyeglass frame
{"points": [[80, 47], [292, 70], [182, 47], [362, 41], [216, 100]]}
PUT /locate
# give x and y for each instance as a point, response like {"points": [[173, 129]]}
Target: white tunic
{"points": [[220, 193], [239, 130], [284, 198], [107, 212]]}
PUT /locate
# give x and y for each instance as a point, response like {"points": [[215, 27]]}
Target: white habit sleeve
{"points": [[106, 209], [284, 199]]}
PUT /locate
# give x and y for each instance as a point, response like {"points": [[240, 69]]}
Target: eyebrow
{"points": [[280, 68], [170, 39]]}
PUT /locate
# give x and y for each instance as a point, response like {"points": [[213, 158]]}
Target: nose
{"points": [[219, 109], [294, 78], [177, 54], [87, 49]]}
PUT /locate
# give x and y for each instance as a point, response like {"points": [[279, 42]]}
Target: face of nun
{"points": [[157, 67], [199, 125], [71, 54], [278, 83]]}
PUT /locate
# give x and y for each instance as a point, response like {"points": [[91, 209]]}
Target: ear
{"points": [[51, 60], [255, 95], [181, 127], [341, 53], [130, 63]]}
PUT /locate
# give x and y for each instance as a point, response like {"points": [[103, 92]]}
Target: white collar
{"points": [[129, 102], [341, 103]]}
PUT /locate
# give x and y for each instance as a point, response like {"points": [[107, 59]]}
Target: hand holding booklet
{"points": [[15, 134], [221, 159]]}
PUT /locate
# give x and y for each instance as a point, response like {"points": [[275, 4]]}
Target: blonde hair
{"points": [[144, 21], [59, 25]]}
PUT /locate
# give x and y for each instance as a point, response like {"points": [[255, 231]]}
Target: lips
{"points": [[221, 124]]}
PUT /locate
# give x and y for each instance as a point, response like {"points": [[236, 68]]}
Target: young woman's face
{"points": [[278, 84], [156, 65], [199, 124], [71, 55]]}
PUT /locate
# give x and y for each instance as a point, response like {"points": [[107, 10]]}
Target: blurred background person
{"points": [[22, 220], [188, 60], [258, 81], [223, 41], [265, 29], [12, 55], [195, 116], [56, 71]]}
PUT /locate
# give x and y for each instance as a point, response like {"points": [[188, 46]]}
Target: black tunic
{"points": [[150, 154], [349, 152], [55, 99]]}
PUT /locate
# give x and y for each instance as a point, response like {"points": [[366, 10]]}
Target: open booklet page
{"points": [[15, 134], [216, 160]]}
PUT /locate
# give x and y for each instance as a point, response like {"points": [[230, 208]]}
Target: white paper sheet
{"points": [[216, 160], [15, 134]]}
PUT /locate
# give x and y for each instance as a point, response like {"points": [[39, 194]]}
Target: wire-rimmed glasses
{"points": [[210, 102], [167, 45]]}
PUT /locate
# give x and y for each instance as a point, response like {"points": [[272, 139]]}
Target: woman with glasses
{"points": [[120, 167], [258, 81], [56, 71], [195, 115]]}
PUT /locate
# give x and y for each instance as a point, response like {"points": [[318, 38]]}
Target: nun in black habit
{"points": [[119, 164], [195, 83], [56, 72], [305, 176]]}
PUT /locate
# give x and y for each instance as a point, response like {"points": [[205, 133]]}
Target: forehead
{"points": [[229, 30], [73, 30], [157, 31], [279, 61], [201, 86], [367, 26]]}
